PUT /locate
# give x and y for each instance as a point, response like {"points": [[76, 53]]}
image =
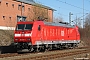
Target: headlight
{"points": [[28, 39]]}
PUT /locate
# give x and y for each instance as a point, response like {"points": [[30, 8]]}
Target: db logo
{"points": [[62, 33], [22, 34]]}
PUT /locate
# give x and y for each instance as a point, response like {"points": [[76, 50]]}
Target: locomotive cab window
{"points": [[24, 27], [39, 27], [28, 26], [20, 27]]}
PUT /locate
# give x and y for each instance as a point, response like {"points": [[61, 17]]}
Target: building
{"points": [[12, 10]]}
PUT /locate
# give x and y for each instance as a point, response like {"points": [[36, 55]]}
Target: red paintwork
{"points": [[48, 33]]}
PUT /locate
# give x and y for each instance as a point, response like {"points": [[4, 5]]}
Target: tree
{"points": [[85, 32], [87, 21], [78, 22], [58, 19], [38, 12]]}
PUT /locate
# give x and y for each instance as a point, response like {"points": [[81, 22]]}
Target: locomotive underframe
{"points": [[44, 47]]}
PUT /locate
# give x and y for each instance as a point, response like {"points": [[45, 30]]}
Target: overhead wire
{"points": [[71, 5], [66, 3], [88, 1], [58, 8], [55, 6]]}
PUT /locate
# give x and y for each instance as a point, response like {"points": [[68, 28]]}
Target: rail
{"points": [[46, 56]]}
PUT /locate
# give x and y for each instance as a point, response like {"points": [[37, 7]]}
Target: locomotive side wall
{"points": [[56, 34]]}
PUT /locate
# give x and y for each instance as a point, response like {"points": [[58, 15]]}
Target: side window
{"points": [[0, 2], [23, 8], [13, 5], [28, 9], [19, 7], [39, 27], [7, 4], [3, 17]]}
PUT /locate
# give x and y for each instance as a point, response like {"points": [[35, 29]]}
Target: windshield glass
{"points": [[24, 27]]}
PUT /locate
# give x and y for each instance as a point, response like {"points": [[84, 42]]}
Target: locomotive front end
{"points": [[22, 35]]}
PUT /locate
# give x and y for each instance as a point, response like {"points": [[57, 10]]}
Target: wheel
{"points": [[50, 47], [30, 48], [38, 50], [75, 45]]}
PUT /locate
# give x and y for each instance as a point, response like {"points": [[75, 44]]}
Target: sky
{"points": [[64, 7]]}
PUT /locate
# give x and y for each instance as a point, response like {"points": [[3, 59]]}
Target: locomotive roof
{"points": [[59, 24], [64, 24]]}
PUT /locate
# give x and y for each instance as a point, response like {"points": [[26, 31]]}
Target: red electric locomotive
{"points": [[40, 35]]}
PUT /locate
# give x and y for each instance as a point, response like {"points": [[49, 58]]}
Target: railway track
{"points": [[8, 55], [54, 56], [45, 55]]}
